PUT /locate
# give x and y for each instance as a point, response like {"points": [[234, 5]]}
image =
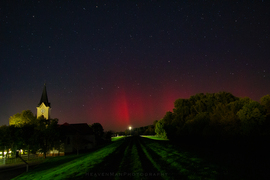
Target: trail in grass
{"points": [[187, 165], [129, 158], [151, 169], [131, 165], [109, 167], [124, 166]]}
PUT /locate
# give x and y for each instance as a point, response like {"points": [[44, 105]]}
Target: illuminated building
{"points": [[44, 107]]}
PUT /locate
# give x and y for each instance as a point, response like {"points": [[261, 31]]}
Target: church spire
{"points": [[44, 97]]}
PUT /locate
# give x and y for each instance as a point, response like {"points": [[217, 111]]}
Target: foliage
{"points": [[10, 137], [97, 129], [107, 135], [20, 119], [98, 132], [78, 142], [5, 137], [218, 116], [252, 116], [145, 130], [159, 129], [47, 134], [265, 102]]}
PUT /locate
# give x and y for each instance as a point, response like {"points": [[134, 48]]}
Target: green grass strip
{"points": [[155, 138], [72, 169], [136, 165], [117, 138]]}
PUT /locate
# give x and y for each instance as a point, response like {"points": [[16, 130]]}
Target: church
{"points": [[44, 107], [75, 137]]}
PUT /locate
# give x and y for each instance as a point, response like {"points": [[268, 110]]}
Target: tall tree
{"points": [[29, 138], [78, 142], [5, 139], [25, 117], [252, 117], [48, 134], [9, 137], [265, 102], [159, 129], [98, 131]]}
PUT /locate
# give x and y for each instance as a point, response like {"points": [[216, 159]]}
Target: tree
{"points": [[181, 110], [149, 130], [197, 125], [159, 129], [98, 131], [9, 137], [252, 117], [78, 142], [265, 102], [224, 97], [108, 135], [25, 117], [29, 137], [48, 134], [127, 132], [5, 139], [169, 126]]}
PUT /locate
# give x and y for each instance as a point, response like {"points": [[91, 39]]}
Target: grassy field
{"points": [[132, 157], [117, 138], [155, 138], [72, 166]]}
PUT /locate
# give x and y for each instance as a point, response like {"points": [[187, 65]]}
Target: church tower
{"points": [[44, 107]]}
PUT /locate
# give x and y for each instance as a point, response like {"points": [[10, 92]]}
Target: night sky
{"points": [[125, 63]]}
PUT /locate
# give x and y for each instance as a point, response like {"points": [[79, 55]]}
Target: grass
{"points": [[70, 167], [178, 162], [155, 138], [117, 138], [133, 157]]}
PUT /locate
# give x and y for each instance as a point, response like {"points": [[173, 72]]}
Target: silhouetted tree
{"points": [[10, 137], [98, 131], [29, 133], [48, 134], [78, 142], [108, 135]]}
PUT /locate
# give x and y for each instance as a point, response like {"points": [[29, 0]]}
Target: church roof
{"points": [[44, 97]]}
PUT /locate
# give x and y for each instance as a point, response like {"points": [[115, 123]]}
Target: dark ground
{"points": [[11, 171]]}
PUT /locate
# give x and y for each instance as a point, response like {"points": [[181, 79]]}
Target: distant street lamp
{"points": [[130, 129]]}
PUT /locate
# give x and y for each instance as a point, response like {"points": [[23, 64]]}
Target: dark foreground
{"points": [[11, 171], [142, 158]]}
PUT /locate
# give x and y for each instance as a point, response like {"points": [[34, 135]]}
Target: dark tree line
{"points": [[29, 133], [33, 134], [218, 117], [101, 137], [146, 130]]}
